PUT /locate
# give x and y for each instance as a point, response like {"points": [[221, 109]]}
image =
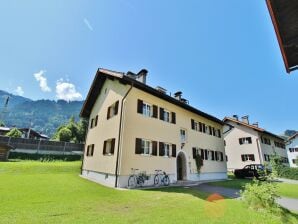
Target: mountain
{"points": [[44, 116]]}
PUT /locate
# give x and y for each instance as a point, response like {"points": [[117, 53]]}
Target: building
{"points": [[292, 150], [4, 151], [247, 143], [135, 126]]}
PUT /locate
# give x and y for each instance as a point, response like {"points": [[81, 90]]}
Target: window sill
{"points": [[109, 154], [146, 155]]}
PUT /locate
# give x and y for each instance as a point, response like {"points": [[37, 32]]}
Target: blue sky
{"points": [[223, 55]]}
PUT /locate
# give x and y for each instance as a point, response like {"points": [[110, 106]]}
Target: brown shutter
{"points": [[138, 146], [240, 141], [204, 127], [112, 146], [154, 111], [108, 113], [192, 124], [194, 152], [213, 130], [216, 155], [140, 106], [221, 156], [161, 149], [116, 107], [92, 149], [249, 140], [87, 151], [200, 127], [210, 130], [96, 120], [173, 150], [212, 155], [242, 157], [161, 113], [219, 133], [154, 148], [104, 147], [173, 117], [91, 125], [206, 154]]}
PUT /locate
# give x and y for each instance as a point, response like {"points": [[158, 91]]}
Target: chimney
{"points": [[141, 76], [160, 89], [256, 124], [178, 95], [236, 117], [245, 119]]}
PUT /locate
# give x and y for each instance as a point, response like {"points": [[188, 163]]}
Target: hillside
{"points": [[43, 115]]}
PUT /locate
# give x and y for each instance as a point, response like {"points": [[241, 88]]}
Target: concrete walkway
{"points": [[288, 181], [289, 203]]}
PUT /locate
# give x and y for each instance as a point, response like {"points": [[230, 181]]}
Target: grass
{"points": [[284, 189], [52, 192]]}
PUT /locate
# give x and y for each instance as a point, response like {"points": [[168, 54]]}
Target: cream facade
{"points": [[148, 131], [292, 150], [248, 144]]}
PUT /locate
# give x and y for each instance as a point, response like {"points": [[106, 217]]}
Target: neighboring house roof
{"points": [[293, 136], [284, 15], [34, 133], [103, 74], [4, 129], [258, 129]]}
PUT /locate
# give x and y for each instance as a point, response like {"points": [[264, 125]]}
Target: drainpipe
{"points": [[259, 151], [119, 135]]}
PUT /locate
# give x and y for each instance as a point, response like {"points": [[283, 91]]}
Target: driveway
{"points": [[289, 203]]}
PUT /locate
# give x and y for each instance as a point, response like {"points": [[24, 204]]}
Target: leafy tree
{"points": [[82, 130], [2, 124], [64, 134], [14, 133]]}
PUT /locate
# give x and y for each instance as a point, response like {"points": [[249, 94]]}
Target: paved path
{"points": [[289, 203], [288, 181]]}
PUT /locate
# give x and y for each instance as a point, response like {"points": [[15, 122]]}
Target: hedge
{"points": [[289, 172], [45, 157]]}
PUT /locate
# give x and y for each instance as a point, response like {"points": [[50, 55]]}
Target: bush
{"points": [[261, 196], [43, 157], [289, 173], [14, 133]]}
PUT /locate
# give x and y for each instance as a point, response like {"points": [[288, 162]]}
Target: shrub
{"points": [[14, 133], [261, 195], [44, 158], [280, 170], [199, 162]]}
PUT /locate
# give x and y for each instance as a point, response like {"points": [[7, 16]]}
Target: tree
{"points": [[14, 133], [2, 124], [82, 130], [64, 134]]}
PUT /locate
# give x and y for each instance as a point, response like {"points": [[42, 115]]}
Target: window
{"points": [[167, 149], [91, 123], [112, 110], [294, 161], [147, 109], [218, 133], [109, 146], [279, 145], [146, 147], [90, 150], [182, 135], [248, 157], [166, 116], [267, 157], [293, 149], [245, 140], [265, 140]]}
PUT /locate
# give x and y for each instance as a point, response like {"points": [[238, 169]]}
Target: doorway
{"points": [[181, 166]]}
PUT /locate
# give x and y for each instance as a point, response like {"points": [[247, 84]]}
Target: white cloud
{"points": [[67, 91], [39, 76], [87, 23], [19, 90]]}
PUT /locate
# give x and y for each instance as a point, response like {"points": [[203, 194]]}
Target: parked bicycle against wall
{"points": [[136, 180], [161, 178]]}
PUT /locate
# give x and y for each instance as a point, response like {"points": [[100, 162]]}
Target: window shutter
{"points": [[240, 141], [252, 157], [242, 157], [204, 128], [173, 150], [161, 113], [206, 154], [212, 155], [112, 146], [219, 133], [192, 124], [91, 125], [216, 155], [116, 107], [96, 119], [87, 151], [154, 111], [226, 158], [161, 149], [200, 127], [249, 140], [210, 130], [140, 106], [213, 130], [202, 154], [104, 148], [138, 149], [194, 152], [173, 117], [108, 113], [92, 149], [221, 156], [154, 148]]}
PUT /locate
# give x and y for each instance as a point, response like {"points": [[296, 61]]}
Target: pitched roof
{"points": [[284, 15], [293, 136], [103, 74], [258, 129]]}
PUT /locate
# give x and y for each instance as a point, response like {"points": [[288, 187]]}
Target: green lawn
{"points": [[284, 189], [52, 192]]}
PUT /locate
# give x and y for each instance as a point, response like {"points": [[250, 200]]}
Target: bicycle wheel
{"points": [[131, 181], [166, 180], [140, 181], [156, 179]]}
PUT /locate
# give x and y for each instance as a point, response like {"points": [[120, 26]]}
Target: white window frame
{"points": [[166, 115], [185, 135], [146, 147], [147, 109], [108, 147], [167, 149]]}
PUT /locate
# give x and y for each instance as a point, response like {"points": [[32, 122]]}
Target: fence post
{"points": [[64, 148]]}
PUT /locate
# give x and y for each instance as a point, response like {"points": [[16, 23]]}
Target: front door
{"points": [[179, 168]]}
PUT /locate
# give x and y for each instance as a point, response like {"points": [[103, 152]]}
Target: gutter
{"points": [[119, 135]]}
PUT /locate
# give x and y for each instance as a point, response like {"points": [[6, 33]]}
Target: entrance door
{"points": [[181, 167]]}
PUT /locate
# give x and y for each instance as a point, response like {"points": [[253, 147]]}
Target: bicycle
{"points": [[135, 180], [161, 177]]}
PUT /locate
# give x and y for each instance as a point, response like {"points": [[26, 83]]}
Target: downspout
{"points": [[259, 151], [82, 163], [119, 135]]}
